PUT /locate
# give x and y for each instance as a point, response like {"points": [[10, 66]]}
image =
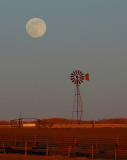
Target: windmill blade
{"points": [[78, 71], [80, 81], [74, 73], [73, 80], [71, 76], [82, 74]]}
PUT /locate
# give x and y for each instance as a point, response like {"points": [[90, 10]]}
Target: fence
{"points": [[88, 126], [47, 125], [66, 146]]}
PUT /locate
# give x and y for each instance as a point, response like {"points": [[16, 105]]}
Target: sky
{"points": [[87, 35]]}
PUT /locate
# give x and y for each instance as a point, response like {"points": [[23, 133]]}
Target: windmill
{"points": [[77, 77]]}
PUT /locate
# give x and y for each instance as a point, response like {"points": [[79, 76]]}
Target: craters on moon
{"points": [[35, 27]]}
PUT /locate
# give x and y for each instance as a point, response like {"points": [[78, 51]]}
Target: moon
{"points": [[35, 27]]}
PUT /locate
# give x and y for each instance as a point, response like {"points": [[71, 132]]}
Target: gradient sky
{"points": [[81, 34]]}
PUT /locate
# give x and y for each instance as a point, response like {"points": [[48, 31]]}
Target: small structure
{"points": [[23, 122]]}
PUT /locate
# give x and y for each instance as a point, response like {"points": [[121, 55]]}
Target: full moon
{"points": [[35, 27]]}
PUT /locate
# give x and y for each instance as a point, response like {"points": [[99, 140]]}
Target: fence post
{"points": [[35, 139], [93, 124], [117, 142], [115, 153], [4, 149], [47, 150], [75, 142], [15, 141], [69, 151], [25, 148], [96, 143], [92, 152]]}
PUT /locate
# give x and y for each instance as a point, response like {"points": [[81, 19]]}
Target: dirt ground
{"points": [[81, 132], [22, 157], [104, 133]]}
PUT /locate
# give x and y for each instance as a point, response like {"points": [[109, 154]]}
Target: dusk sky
{"points": [[89, 35]]}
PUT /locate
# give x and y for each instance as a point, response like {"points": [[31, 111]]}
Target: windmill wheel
{"points": [[77, 77]]}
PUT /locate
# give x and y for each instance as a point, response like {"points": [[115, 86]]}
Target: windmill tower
{"points": [[77, 77]]}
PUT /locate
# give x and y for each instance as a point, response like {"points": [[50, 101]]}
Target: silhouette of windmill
{"points": [[77, 77]]}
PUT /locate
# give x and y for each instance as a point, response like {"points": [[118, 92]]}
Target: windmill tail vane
{"points": [[87, 77]]}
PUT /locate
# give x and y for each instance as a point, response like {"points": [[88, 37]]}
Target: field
{"points": [[34, 157], [91, 143], [61, 139], [67, 132]]}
